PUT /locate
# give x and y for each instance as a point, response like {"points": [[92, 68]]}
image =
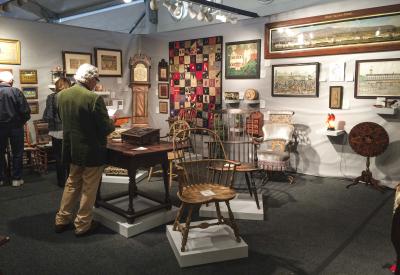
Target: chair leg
{"points": [[171, 164], [232, 222], [248, 183], [178, 216], [185, 232], [150, 174], [253, 185], [219, 216]]}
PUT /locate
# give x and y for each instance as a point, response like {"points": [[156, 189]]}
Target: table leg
{"points": [[132, 188], [164, 165]]}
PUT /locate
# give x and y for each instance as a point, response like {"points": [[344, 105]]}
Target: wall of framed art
{"points": [[317, 155]]}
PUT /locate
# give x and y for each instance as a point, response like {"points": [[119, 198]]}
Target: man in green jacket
{"points": [[85, 128]]}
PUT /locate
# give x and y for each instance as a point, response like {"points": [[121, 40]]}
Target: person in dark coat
{"points": [[14, 113], [51, 116], [85, 128]]}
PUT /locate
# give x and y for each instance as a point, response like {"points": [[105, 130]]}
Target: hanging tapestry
{"points": [[195, 77]]}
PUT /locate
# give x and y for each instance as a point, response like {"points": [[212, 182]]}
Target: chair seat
{"points": [[206, 192], [246, 167], [271, 156]]}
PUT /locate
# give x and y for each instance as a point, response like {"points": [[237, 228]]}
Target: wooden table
{"points": [[122, 155]]}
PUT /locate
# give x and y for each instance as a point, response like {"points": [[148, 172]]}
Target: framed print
{"points": [[242, 59], [30, 92], [163, 70], [72, 61], [163, 107], [34, 106], [298, 80], [28, 76], [377, 78], [163, 90], [10, 51], [108, 61], [335, 97], [366, 30]]}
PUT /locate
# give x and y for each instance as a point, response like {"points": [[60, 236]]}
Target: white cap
{"points": [[6, 76], [86, 72]]}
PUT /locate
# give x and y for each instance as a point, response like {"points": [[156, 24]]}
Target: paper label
{"points": [[207, 193]]}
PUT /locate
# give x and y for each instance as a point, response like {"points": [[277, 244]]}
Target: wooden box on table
{"points": [[141, 136]]}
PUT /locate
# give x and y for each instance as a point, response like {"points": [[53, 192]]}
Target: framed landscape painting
{"points": [[296, 80], [30, 92], [72, 61], [377, 78], [108, 61], [34, 106], [28, 76], [10, 52], [366, 30], [163, 90], [242, 60]]}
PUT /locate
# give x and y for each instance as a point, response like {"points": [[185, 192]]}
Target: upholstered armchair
{"points": [[272, 152]]}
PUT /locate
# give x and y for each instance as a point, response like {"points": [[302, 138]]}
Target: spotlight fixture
{"points": [[178, 9], [201, 14], [153, 5], [221, 17], [192, 11], [208, 16]]}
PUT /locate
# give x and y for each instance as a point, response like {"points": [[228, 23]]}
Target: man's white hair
{"points": [[6, 76], [86, 72]]}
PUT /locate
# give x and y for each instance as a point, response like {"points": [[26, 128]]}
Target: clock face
{"points": [[140, 73], [251, 94]]}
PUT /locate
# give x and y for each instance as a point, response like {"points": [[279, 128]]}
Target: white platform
{"points": [[385, 111], [123, 179], [142, 224], [334, 133], [204, 246], [243, 207]]}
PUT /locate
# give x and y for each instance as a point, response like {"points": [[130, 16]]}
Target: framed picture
{"points": [[299, 80], [242, 59], [108, 61], [72, 61], [163, 90], [34, 105], [163, 107], [30, 92], [366, 30], [10, 51], [28, 76], [163, 70], [377, 78], [335, 97]]}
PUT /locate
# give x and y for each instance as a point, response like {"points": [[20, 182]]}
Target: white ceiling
{"points": [[97, 14]]}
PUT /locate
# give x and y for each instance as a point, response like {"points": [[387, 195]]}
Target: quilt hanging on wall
{"points": [[195, 77]]}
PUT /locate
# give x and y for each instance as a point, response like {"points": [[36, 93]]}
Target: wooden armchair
{"points": [[203, 179], [34, 156]]}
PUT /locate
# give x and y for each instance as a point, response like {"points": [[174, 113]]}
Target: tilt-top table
{"points": [[124, 156]]}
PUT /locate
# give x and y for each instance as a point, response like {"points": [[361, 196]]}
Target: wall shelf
{"points": [[334, 133], [385, 110]]}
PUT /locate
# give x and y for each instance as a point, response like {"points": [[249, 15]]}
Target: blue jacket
{"points": [[14, 109]]}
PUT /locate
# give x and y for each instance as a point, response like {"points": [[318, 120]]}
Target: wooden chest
{"points": [[141, 136]]}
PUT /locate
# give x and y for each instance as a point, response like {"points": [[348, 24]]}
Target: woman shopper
{"points": [[51, 116]]}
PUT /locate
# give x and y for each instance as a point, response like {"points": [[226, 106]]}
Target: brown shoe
{"points": [[60, 228], [92, 229], [4, 239]]}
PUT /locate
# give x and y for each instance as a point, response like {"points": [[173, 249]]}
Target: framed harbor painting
{"points": [[366, 30], [295, 80], [242, 59], [377, 78]]}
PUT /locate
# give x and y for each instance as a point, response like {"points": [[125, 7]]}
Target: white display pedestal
{"points": [[119, 224], [243, 207], [334, 133], [123, 179], [204, 246]]}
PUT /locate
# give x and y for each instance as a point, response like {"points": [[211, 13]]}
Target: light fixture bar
{"points": [[224, 8]]}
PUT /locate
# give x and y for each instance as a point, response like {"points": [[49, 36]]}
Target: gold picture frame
{"points": [[28, 77], [30, 92], [335, 97], [10, 51], [163, 107], [108, 62], [34, 106]]}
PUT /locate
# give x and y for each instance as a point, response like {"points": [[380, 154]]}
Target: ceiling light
{"points": [[221, 17], [232, 19], [127, 1], [192, 12], [208, 16], [178, 9], [201, 14]]}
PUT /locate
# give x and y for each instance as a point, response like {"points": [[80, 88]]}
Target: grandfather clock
{"points": [[140, 83]]}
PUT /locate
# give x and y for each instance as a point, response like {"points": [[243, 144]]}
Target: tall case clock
{"points": [[140, 83]]}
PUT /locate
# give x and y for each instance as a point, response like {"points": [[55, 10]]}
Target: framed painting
{"points": [[108, 61], [163, 90], [162, 70], [242, 59], [34, 106], [335, 97], [10, 51], [377, 78], [72, 61], [366, 30], [163, 107], [28, 76], [30, 92], [297, 80]]}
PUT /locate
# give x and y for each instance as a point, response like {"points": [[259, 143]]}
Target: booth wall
{"points": [[42, 44], [317, 154]]}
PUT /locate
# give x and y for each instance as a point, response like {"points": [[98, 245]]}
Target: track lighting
{"points": [[208, 16], [192, 11], [201, 14]]}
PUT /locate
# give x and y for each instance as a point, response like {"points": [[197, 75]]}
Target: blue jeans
{"points": [[16, 138]]}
